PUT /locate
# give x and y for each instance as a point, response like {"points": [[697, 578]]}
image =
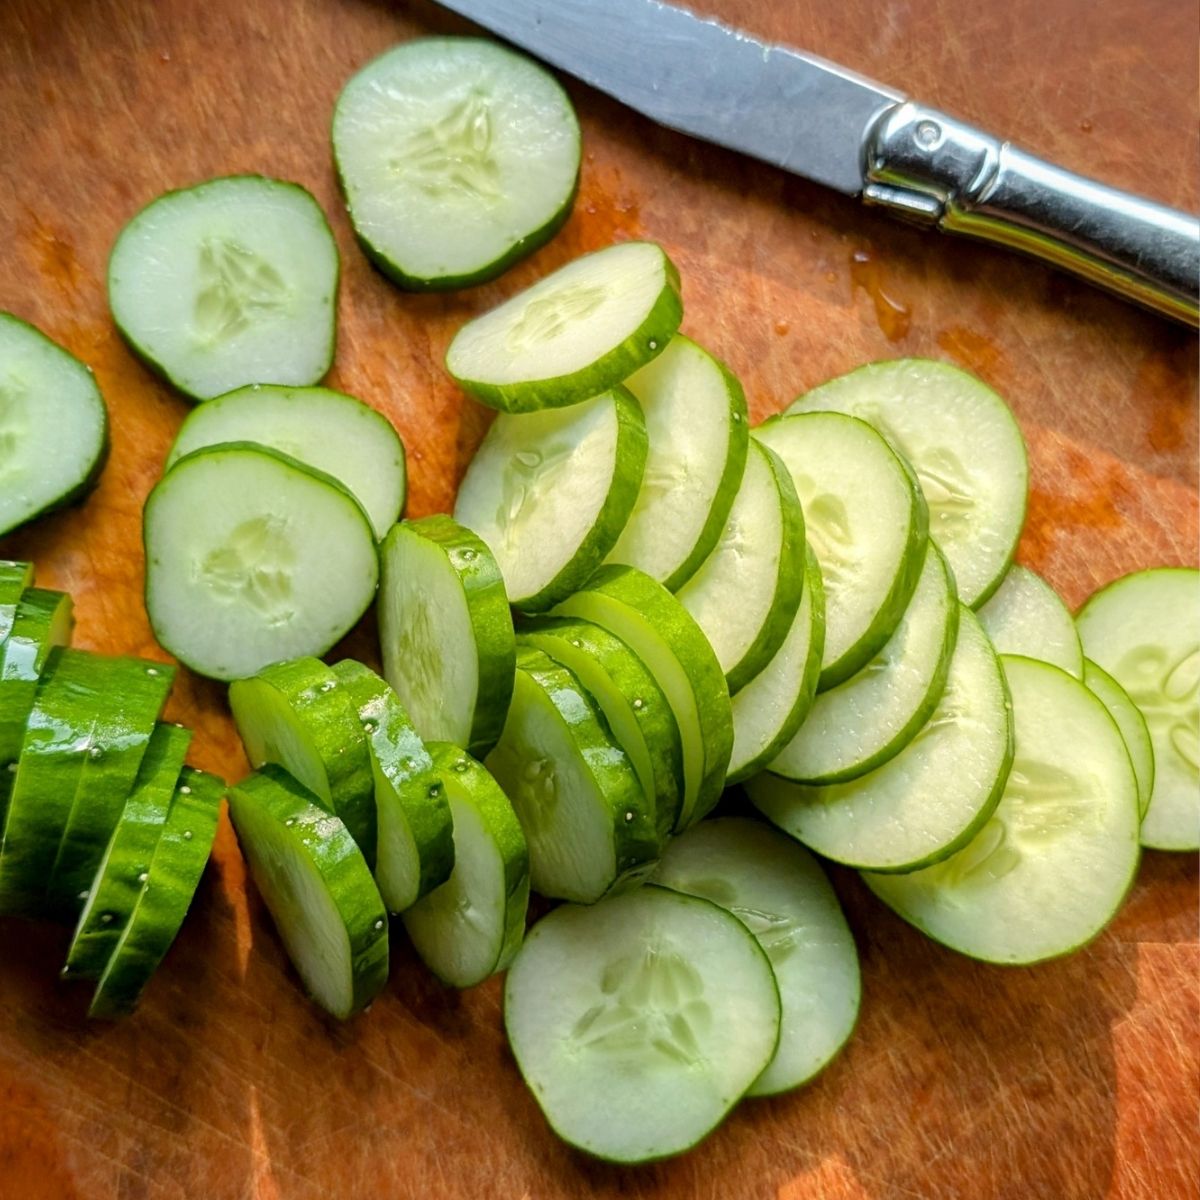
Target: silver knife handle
{"points": [[935, 170]]}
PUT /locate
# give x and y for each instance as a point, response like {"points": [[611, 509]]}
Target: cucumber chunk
{"points": [[965, 447], [446, 632], [588, 824], [574, 334], [53, 426], [1144, 630], [1132, 725], [865, 519], [777, 890], [1025, 616], [550, 493], [457, 158], [15, 577], [698, 434], [471, 926], [330, 431], [228, 283], [252, 559], [316, 886], [639, 1022], [1053, 863], [43, 621]]}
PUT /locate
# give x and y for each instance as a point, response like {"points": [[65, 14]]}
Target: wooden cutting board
{"points": [[1071, 1081]]}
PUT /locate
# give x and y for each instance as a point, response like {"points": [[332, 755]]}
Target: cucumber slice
{"points": [[415, 832], [644, 615], [574, 334], [1144, 629], [965, 447], [777, 890], [316, 886], [457, 158], [745, 595], [928, 801], [698, 434], [770, 709], [43, 621], [15, 577], [228, 283], [53, 426], [1132, 725], [297, 715], [179, 860], [858, 725], [866, 521], [1051, 866], [252, 559], [589, 826], [1025, 616], [331, 431], [446, 632], [550, 493], [471, 926], [639, 1022]]}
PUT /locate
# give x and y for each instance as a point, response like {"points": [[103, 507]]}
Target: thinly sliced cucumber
{"points": [[252, 558], [1132, 725], [745, 594], [639, 1022], [179, 860], [866, 521], [1025, 616], [331, 431], [698, 432], [574, 334], [446, 632], [1053, 863], [15, 577], [297, 714], [769, 710], [457, 158], [644, 615], [550, 493], [43, 620], [589, 826], [928, 801], [965, 447], [316, 886], [777, 890], [471, 926], [858, 725], [1144, 630], [228, 283], [415, 834]]}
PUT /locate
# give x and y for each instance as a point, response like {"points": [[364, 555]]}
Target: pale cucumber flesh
{"points": [[1025, 616]]}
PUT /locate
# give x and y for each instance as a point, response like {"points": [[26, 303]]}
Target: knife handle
{"points": [[935, 170]]}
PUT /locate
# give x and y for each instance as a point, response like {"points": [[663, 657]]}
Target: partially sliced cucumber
{"points": [[777, 890], [965, 447], [43, 620], [446, 632], [252, 559], [228, 283], [1025, 616], [457, 158], [550, 493], [1130, 722], [574, 334], [639, 1022], [316, 886], [15, 577], [698, 432]]}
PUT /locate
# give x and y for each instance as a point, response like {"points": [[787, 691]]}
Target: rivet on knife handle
{"points": [[935, 170]]}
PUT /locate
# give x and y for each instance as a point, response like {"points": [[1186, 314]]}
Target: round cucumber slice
{"points": [[550, 492], [1025, 616], [1144, 630], [777, 890], [446, 632], [15, 577], [227, 283], [1130, 722], [639, 1022], [574, 334], [866, 521], [457, 158], [42, 621], [1054, 861], [252, 558], [965, 447]]}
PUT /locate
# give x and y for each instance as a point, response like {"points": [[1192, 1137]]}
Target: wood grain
{"points": [[1071, 1081]]}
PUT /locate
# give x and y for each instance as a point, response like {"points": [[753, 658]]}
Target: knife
{"points": [[840, 129]]}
